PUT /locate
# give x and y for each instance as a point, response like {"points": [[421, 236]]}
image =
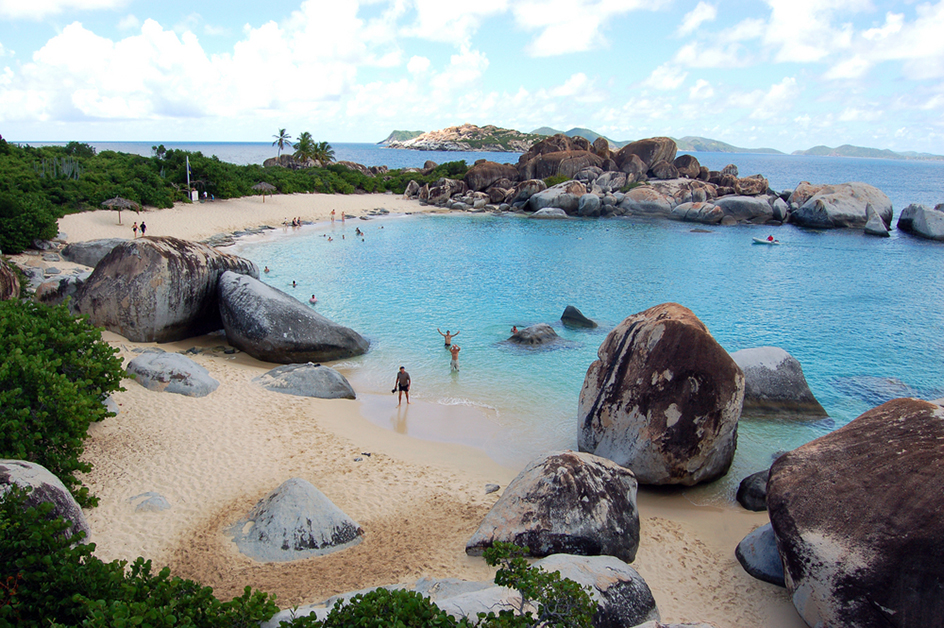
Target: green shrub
{"points": [[634, 184], [47, 579], [24, 218], [55, 372], [557, 178], [381, 608]]}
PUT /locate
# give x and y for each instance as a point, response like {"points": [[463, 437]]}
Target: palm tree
{"points": [[304, 147], [281, 140], [323, 152]]}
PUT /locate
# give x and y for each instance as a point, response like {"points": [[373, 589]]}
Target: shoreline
{"points": [[418, 500]]}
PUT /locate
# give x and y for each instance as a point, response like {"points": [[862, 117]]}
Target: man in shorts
{"points": [[448, 336], [403, 385], [454, 349]]}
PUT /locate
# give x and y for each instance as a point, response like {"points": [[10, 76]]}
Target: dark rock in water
{"points": [[622, 596], [46, 487], [90, 253], [874, 390], [774, 383], [173, 373], [758, 554], [9, 282], [273, 326], [539, 334], [857, 514], [572, 317], [567, 502], [295, 521], [158, 289], [664, 399], [549, 213], [307, 380], [752, 492]]}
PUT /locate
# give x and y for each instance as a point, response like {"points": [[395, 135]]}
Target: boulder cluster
{"points": [[648, 178]]}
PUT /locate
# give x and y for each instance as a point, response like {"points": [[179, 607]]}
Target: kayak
{"points": [[769, 242]]}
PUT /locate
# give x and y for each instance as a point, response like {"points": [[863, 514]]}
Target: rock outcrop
{"points": [[294, 521], [572, 317], [752, 491], [922, 221], [650, 151], [533, 335], [158, 289], [307, 380], [664, 399], [273, 326], [758, 554], [842, 205], [567, 502], [57, 290], [774, 383], [9, 282], [564, 196], [857, 515], [45, 487], [90, 253], [173, 373], [485, 173], [874, 225]]}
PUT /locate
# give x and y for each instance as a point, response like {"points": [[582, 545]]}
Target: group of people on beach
{"points": [[403, 381], [135, 228]]}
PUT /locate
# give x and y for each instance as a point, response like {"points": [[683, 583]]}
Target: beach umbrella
{"points": [[120, 203], [264, 187]]}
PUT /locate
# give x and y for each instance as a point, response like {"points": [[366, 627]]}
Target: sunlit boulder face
{"points": [[663, 400], [273, 326], [858, 519], [158, 289], [842, 205]]}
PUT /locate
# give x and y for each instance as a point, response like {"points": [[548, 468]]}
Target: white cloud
{"points": [[853, 114], [703, 12], [129, 23], [851, 68], [893, 24], [769, 104], [39, 9], [417, 65], [464, 71], [802, 31], [701, 90], [720, 56], [451, 22], [666, 77]]}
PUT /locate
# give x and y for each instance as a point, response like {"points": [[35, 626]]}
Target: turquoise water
{"points": [[863, 315]]}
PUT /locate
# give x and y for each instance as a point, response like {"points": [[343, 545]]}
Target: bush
{"points": [[557, 178], [380, 608], [24, 218], [46, 579], [55, 373]]}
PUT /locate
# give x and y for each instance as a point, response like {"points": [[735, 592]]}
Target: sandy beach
{"points": [[418, 501]]}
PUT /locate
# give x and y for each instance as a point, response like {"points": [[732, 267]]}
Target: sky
{"points": [[784, 74]]}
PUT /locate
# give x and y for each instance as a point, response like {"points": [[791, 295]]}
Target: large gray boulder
{"points": [[922, 221], [572, 317], [842, 205], [158, 289], [857, 515], [173, 373], [549, 213], [746, 208], [533, 335], [757, 553], [649, 151], [774, 383], [566, 502], [874, 225], [701, 212], [564, 195], [44, 487], [57, 290], [294, 521], [273, 326], [485, 173], [90, 253], [646, 200], [307, 380], [664, 399]]}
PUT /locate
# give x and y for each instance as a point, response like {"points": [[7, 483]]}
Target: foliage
{"points": [[633, 185], [48, 578], [24, 218], [55, 373], [556, 179], [282, 139], [559, 602], [380, 608]]}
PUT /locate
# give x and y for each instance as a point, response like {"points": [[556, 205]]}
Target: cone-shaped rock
{"points": [[567, 502], [295, 521], [572, 317], [774, 383], [663, 400], [273, 326]]}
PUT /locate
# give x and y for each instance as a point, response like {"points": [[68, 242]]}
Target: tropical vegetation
{"points": [[282, 139]]}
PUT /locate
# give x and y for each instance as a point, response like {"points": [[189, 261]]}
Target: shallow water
{"points": [[861, 314]]}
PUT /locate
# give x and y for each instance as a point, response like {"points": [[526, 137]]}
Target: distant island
{"points": [[472, 138]]}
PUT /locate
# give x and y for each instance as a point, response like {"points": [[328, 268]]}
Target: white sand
{"points": [[418, 501]]}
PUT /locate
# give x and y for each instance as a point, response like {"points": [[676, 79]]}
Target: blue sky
{"points": [[786, 74]]}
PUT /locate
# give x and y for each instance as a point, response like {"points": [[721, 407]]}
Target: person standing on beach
{"points": [[403, 385], [143, 228], [448, 336], [332, 215], [134, 228], [454, 364]]}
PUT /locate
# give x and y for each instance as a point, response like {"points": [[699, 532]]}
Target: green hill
{"points": [[847, 150], [401, 136], [705, 145]]}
